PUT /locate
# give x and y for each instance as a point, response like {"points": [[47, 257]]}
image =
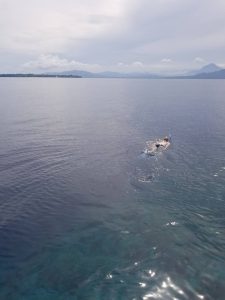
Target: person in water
{"points": [[165, 140]]}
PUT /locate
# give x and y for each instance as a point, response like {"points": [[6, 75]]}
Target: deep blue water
{"points": [[85, 215]]}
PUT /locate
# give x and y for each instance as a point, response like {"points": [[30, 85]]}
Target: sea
{"points": [[86, 215]]}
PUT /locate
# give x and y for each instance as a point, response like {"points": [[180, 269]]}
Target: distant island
{"points": [[40, 75], [210, 71]]}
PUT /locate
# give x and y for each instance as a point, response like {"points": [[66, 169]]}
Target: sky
{"points": [[157, 36]]}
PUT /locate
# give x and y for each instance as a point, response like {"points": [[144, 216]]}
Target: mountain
{"points": [[128, 75], [210, 68], [83, 74], [210, 71], [212, 75], [106, 74]]}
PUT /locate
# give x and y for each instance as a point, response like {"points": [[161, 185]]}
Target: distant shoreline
{"points": [[40, 76], [213, 75], [210, 71]]}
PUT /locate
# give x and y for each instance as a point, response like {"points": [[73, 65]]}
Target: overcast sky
{"points": [[117, 35]]}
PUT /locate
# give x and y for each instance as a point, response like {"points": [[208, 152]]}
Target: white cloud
{"points": [[138, 64], [166, 60], [162, 67], [51, 62], [199, 60], [55, 63]]}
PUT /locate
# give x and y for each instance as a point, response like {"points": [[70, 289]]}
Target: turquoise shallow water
{"points": [[85, 215]]}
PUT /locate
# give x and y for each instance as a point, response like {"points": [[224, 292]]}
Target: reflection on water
{"points": [[85, 215]]}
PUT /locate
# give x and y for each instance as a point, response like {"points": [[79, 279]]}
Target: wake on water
{"points": [[150, 163]]}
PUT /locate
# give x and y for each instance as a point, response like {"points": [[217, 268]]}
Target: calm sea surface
{"points": [[85, 215]]}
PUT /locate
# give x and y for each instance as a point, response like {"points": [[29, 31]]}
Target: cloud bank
{"points": [[94, 35], [55, 63]]}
